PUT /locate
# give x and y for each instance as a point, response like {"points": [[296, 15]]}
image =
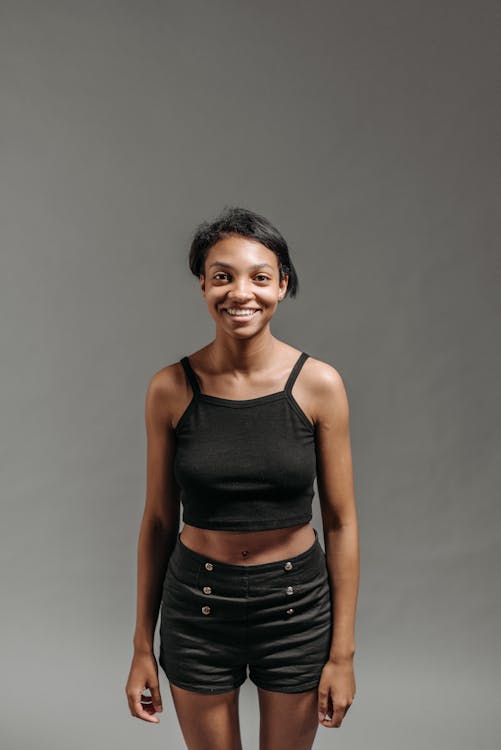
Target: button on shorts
{"points": [[217, 619]]}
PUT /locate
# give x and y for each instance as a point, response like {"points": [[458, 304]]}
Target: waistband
{"points": [[185, 559]]}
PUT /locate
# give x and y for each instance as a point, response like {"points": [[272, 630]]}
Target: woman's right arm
{"points": [[157, 537]]}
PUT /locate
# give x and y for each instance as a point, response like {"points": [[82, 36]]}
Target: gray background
{"points": [[366, 132]]}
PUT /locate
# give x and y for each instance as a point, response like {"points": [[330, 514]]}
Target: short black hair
{"points": [[236, 220]]}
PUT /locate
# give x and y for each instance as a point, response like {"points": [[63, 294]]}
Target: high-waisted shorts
{"points": [[217, 618]]}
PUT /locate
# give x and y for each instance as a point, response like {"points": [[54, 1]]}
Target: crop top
{"points": [[245, 464]]}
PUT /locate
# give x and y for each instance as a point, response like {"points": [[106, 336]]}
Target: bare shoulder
{"points": [[329, 397], [162, 495], [163, 393]]}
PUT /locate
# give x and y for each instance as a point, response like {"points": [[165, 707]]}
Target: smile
{"points": [[242, 312]]}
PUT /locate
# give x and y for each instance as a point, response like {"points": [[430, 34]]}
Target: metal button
{"points": [[207, 590], [208, 566], [288, 565], [290, 611], [289, 590], [206, 609]]}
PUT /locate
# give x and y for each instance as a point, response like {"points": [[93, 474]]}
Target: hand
{"points": [[336, 691], [144, 674]]}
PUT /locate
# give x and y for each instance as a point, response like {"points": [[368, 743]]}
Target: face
{"points": [[242, 275]]}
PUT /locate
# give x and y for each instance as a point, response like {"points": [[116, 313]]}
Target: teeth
{"points": [[239, 313]]}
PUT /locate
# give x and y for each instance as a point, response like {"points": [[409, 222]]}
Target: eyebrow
{"points": [[228, 265]]}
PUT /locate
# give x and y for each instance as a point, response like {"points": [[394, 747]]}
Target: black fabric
{"points": [[245, 464], [219, 618]]}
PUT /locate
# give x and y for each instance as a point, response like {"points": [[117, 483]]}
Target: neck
{"points": [[243, 356]]}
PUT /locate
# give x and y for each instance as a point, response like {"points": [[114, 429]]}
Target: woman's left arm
{"points": [[337, 503]]}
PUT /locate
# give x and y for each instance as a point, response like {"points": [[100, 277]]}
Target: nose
{"points": [[239, 293], [239, 297]]}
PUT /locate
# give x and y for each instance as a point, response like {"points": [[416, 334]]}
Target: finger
{"points": [[147, 701], [156, 697], [329, 718], [138, 710], [336, 716], [143, 713], [323, 701], [329, 715], [147, 704]]}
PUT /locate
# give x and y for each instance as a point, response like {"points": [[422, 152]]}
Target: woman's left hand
{"points": [[336, 691]]}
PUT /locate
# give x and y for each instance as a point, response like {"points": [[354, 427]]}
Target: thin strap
{"points": [[295, 372], [190, 374]]}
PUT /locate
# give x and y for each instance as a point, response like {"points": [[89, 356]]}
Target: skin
{"points": [[244, 361]]}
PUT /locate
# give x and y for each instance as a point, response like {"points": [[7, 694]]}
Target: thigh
{"points": [[287, 720], [208, 722]]}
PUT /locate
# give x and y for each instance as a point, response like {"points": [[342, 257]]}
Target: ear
{"points": [[282, 286]]}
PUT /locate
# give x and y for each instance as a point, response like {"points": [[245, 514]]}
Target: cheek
{"points": [[213, 300]]}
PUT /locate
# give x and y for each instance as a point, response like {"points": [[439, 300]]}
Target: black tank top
{"points": [[245, 464]]}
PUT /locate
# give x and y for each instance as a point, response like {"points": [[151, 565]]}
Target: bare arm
{"points": [[337, 501], [157, 537], [337, 685], [160, 522]]}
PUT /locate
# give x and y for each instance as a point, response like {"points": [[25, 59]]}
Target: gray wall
{"points": [[366, 132]]}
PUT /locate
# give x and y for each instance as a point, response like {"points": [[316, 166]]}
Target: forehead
{"points": [[241, 252]]}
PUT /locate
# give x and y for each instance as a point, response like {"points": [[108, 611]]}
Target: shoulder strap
{"points": [[190, 374], [295, 371]]}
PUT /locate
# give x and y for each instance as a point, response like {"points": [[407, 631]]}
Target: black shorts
{"points": [[218, 618]]}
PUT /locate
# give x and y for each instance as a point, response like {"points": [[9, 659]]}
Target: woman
{"points": [[236, 433]]}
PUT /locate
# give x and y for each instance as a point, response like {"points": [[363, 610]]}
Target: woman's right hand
{"points": [[144, 674]]}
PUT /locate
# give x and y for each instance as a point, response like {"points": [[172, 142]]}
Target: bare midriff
{"points": [[248, 547]]}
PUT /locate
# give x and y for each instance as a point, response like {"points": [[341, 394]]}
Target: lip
{"points": [[241, 317]]}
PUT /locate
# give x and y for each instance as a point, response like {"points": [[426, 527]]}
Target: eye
{"points": [[260, 276]]}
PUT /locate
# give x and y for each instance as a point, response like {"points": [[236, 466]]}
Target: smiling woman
{"points": [[237, 433], [240, 275]]}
